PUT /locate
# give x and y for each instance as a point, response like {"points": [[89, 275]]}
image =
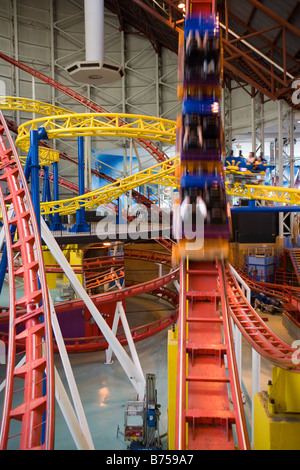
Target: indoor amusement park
{"points": [[150, 226]]}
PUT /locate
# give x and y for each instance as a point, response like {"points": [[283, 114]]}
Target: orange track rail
{"points": [[155, 287], [99, 343], [255, 330], [205, 417], [288, 294], [35, 399]]}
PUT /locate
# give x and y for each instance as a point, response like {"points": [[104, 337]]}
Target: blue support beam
{"points": [[265, 209], [81, 224], [46, 196], [56, 224], [35, 178]]}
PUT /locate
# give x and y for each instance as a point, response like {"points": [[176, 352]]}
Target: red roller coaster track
{"points": [[204, 417], [99, 343], [35, 398], [255, 330]]}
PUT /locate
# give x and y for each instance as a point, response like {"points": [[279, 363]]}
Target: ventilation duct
{"points": [[94, 70]]}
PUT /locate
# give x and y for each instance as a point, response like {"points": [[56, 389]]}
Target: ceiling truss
{"points": [[262, 58]]}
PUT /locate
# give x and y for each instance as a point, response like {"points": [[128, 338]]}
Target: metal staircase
{"points": [[295, 257]]}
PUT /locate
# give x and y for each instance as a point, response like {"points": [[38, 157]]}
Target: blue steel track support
{"points": [[265, 209], [35, 179], [56, 225], [46, 186], [81, 224]]}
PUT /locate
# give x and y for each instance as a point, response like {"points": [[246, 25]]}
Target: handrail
{"points": [[240, 421]]}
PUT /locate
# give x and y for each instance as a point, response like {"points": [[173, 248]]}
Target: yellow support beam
{"points": [[265, 193], [50, 260], [277, 413], [28, 105], [46, 156], [172, 385], [76, 261]]}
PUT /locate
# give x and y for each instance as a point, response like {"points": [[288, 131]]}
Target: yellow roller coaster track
{"points": [[47, 156], [62, 123], [162, 173], [266, 193], [101, 125]]}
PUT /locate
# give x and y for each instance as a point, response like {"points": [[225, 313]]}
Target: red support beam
{"points": [[278, 19]]}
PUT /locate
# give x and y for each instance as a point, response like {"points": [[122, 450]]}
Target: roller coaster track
{"points": [[204, 417], [265, 193], [50, 155], [275, 290], [95, 280], [153, 149], [159, 174], [143, 255], [163, 175], [70, 124], [60, 122], [289, 295], [121, 294], [104, 278], [35, 398], [155, 286], [253, 328], [201, 284], [74, 125], [98, 343]]}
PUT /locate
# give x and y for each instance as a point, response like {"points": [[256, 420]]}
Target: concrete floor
{"points": [[105, 389]]}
